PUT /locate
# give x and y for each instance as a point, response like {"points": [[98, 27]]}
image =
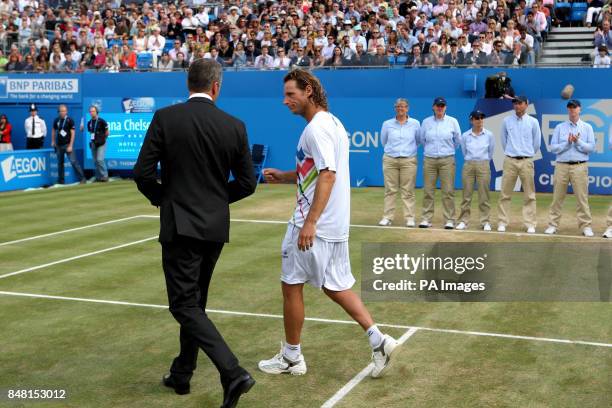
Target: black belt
{"points": [[574, 162], [520, 157]]}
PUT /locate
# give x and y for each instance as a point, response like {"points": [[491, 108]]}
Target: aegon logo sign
{"points": [[22, 167], [361, 142]]}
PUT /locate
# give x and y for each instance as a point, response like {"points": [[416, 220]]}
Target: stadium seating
{"points": [[144, 61]]}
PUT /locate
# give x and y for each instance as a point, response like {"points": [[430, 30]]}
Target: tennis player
{"points": [[315, 249]]}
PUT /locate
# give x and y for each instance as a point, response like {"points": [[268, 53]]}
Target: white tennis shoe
{"points": [[279, 364], [381, 356]]}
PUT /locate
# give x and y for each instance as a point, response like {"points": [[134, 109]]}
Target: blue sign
{"points": [[128, 119], [22, 169], [40, 88]]}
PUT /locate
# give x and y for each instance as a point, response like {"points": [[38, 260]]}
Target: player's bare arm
{"points": [[275, 176]]}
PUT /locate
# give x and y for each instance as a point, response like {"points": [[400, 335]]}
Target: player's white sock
{"points": [[292, 352], [375, 336]]}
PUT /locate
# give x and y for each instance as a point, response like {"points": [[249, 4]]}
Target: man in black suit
{"points": [[197, 145]]}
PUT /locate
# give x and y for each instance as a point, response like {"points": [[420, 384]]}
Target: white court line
{"points": [[69, 230], [321, 320], [348, 387], [101, 251], [516, 234]]}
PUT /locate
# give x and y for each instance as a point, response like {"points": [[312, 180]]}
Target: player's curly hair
{"points": [[303, 79]]}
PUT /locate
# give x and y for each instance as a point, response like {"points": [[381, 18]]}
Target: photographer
{"points": [[98, 129], [499, 87]]}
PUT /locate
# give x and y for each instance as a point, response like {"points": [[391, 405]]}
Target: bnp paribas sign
{"points": [[39, 88]]}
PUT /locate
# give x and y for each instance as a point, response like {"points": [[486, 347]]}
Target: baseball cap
{"points": [[574, 103], [520, 98], [439, 101], [477, 114]]}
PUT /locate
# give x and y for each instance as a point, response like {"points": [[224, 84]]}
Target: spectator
{"points": [[100, 58], [128, 58], [174, 29], [28, 64], [595, 7], [518, 57], [252, 53], [475, 57], [239, 57], [282, 61], [69, 65], [477, 26], [177, 47], [226, 52], [337, 59], [13, 64], [380, 58], [454, 58], [35, 129], [301, 60], [165, 63], [265, 60], [347, 51], [181, 62], [375, 41], [540, 17], [602, 59], [318, 60], [358, 38], [433, 59], [3, 61], [361, 58], [140, 41], [415, 59], [603, 35], [497, 57], [5, 134], [527, 43]]}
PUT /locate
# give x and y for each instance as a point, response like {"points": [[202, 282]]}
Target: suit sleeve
{"points": [[145, 170], [244, 182]]}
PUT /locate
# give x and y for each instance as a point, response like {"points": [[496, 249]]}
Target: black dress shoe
{"points": [[170, 382], [235, 389]]}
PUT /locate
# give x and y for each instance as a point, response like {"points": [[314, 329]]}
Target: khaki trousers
{"points": [[443, 168], [522, 169], [476, 172], [400, 173], [578, 176], [609, 219]]}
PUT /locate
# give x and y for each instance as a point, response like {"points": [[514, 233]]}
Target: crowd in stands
{"points": [[65, 36]]}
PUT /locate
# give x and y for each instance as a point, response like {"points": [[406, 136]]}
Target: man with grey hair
{"points": [[197, 145]]}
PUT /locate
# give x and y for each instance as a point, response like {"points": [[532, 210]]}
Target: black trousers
{"points": [[34, 142], [188, 266]]}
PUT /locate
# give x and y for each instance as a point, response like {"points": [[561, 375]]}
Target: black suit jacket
{"points": [[197, 144]]}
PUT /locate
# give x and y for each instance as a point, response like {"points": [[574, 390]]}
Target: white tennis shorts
{"points": [[325, 264]]}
